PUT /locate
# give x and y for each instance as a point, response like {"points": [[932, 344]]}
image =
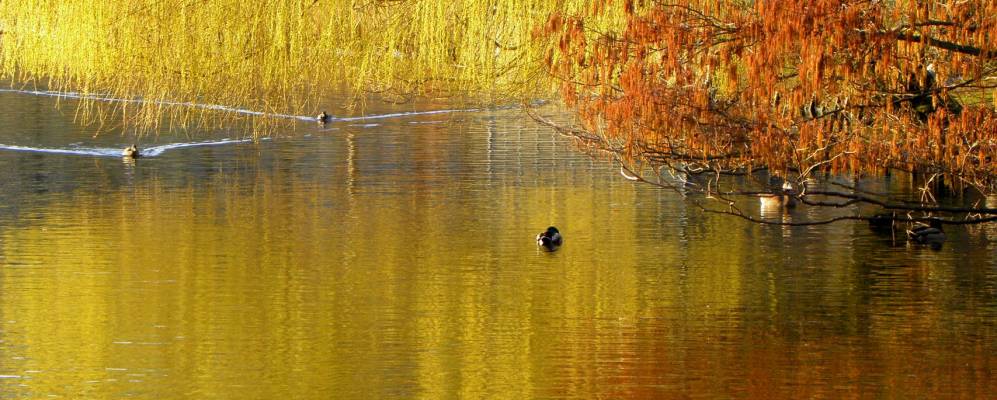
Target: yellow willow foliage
{"points": [[276, 56]]}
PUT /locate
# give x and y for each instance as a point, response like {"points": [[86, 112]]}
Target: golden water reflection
{"points": [[396, 263]]}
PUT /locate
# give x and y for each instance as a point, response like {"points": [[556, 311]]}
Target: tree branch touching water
{"points": [[706, 188], [791, 98], [728, 100]]}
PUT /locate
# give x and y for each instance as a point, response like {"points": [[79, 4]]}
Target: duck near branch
{"points": [[782, 199], [550, 239], [930, 234], [884, 222], [323, 117]]}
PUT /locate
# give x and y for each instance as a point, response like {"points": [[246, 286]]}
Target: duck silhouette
{"points": [[550, 239], [884, 222], [323, 117], [930, 234]]}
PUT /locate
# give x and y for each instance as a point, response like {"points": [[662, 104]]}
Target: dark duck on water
{"points": [[930, 234], [550, 239]]}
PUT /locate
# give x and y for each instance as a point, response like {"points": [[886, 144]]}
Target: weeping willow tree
{"points": [[275, 56]]}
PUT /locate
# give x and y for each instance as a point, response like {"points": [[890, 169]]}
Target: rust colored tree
{"points": [[817, 94]]}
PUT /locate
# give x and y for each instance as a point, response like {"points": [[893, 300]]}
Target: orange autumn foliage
{"points": [[796, 86]]}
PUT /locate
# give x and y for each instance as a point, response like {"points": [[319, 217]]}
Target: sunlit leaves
{"points": [[279, 56], [848, 86]]}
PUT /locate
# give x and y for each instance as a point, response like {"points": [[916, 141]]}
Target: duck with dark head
{"points": [[130, 152], [930, 234], [550, 239], [786, 198]]}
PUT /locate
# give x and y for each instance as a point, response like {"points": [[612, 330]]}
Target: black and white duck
{"points": [[550, 239]]}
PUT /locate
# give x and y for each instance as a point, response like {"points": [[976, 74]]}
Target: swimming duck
{"points": [[322, 117], [130, 152], [931, 233], [779, 199], [550, 239]]}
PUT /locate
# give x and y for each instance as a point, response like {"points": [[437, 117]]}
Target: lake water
{"points": [[395, 258]]}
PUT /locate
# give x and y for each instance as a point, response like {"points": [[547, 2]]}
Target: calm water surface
{"points": [[394, 258]]}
